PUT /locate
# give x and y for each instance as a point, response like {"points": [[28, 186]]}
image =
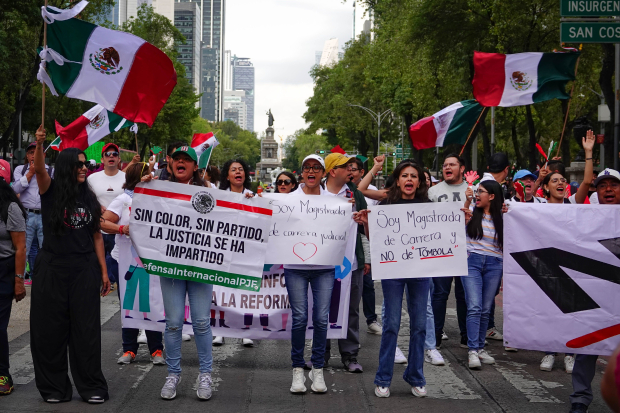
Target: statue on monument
{"points": [[270, 117]]}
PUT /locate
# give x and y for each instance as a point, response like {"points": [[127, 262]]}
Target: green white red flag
{"points": [[89, 128], [522, 78], [450, 125], [120, 71], [203, 144]]}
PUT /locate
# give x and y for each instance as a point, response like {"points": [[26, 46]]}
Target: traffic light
{"points": [[320, 152], [393, 154]]}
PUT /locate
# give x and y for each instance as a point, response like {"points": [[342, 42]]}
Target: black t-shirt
{"points": [[404, 201], [78, 236]]}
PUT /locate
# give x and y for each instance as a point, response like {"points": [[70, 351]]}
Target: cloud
{"points": [[281, 38]]}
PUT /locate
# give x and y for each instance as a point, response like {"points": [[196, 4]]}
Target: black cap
{"points": [[498, 162]]}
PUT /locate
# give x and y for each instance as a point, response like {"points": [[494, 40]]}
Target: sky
{"points": [[281, 38]]}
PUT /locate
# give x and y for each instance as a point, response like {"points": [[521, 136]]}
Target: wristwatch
{"points": [[20, 276]]}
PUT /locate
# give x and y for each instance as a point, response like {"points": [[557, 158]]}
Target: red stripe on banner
{"points": [[163, 194], [489, 77], [439, 256], [241, 207], [423, 134], [594, 337], [385, 262], [148, 85]]}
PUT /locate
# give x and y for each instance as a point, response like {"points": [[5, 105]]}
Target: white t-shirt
{"points": [[121, 207], [372, 202], [593, 198], [107, 187], [444, 192]]}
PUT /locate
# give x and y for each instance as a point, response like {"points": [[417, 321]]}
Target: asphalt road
{"points": [[258, 379]]}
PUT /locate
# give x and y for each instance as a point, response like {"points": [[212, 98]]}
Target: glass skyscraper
{"points": [[243, 79], [187, 18]]}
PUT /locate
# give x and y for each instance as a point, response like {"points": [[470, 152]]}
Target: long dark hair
{"points": [[225, 183], [7, 196], [196, 176], [68, 192], [395, 194], [547, 194], [291, 177], [474, 228]]}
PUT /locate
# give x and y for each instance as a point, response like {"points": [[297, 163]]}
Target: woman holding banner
{"points": [[485, 229], [71, 274], [115, 220]]}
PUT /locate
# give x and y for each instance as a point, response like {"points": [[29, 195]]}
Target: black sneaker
{"points": [[6, 385], [578, 408]]}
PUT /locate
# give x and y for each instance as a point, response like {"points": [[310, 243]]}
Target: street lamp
{"points": [[377, 117]]}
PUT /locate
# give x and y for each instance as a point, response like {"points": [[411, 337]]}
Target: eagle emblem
{"points": [[106, 60]]}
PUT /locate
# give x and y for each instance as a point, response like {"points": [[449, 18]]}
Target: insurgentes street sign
{"points": [[583, 8], [589, 32]]}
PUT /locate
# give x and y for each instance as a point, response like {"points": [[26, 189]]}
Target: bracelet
{"points": [[120, 229], [588, 159]]}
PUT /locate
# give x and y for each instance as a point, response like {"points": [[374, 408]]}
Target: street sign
{"points": [[582, 8], [399, 150], [19, 154], [589, 32]]}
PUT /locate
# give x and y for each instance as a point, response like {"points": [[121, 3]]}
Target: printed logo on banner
{"points": [[203, 202]]}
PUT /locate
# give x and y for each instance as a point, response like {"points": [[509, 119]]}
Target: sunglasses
{"points": [[80, 164], [283, 182], [111, 154], [315, 168]]}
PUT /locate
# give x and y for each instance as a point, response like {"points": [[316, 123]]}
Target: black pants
{"points": [[65, 311], [368, 299], [442, 286], [7, 291]]}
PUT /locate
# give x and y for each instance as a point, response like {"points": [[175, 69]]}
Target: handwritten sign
{"points": [[308, 229], [200, 234], [417, 240]]}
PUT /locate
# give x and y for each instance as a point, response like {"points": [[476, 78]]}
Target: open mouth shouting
{"points": [[311, 179]]}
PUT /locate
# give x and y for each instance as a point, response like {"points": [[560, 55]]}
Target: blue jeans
{"points": [[431, 342], [200, 295], [484, 277], [368, 299], [417, 298], [34, 229], [443, 285], [109, 240], [322, 283]]}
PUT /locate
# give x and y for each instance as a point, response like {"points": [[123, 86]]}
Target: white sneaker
{"points": [[247, 342], [511, 349], [485, 357], [318, 381], [494, 334], [569, 363], [186, 337], [434, 357], [444, 336], [375, 328], [419, 391], [399, 357], [298, 381], [547, 362], [169, 391], [142, 337], [474, 360], [382, 391], [218, 340]]}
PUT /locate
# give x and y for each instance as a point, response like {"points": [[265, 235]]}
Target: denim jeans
{"points": [[480, 285], [322, 283], [417, 298], [34, 229], [368, 299], [200, 295], [109, 240], [431, 342], [442, 286]]}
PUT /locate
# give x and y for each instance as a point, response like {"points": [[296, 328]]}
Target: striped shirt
{"points": [[486, 244]]}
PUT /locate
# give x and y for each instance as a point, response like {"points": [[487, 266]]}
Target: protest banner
{"points": [[308, 229], [561, 278], [417, 240], [200, 234]]}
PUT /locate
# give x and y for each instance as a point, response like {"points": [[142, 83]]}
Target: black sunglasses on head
{"points": [[283, 182]]}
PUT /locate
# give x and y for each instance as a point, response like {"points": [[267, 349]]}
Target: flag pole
{"points": [[136, 136], [568, 108], [472, 130], [43, 84]]}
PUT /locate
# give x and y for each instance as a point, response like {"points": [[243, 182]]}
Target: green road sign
{"points": [[399, 150], [589, 32], [582, 8]]}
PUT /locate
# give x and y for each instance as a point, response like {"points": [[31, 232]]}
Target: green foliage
{"points": [[300, 145], [235, 143]]}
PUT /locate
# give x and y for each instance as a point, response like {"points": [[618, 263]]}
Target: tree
{"points": [[300, 145], [235, 143]]}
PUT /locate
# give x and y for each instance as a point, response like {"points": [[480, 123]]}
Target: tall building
{"points": [[124, 10], [188, 19], [243, 79], [228, 71], [234, 100], [363, 20], [329, 57]]}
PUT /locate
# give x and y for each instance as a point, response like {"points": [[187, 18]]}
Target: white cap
{"points": [[316, 158], [434, 180], [607, 174], [92, 162]]}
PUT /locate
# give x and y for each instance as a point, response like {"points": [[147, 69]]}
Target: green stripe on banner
{"points": [[554, 71], [462, 123], [69, 38], [203, 275]]}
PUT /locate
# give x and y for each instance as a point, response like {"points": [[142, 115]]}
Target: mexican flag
{"points": [[522, 78], [448, 126], [55, 145], [203, 144], [121, 72], [92, 126]]}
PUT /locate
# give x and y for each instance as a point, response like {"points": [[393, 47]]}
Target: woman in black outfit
{"points": [[71, 274]]}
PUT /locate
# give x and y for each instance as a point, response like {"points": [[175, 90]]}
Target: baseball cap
{"points": [[109, 145], [316, 158], [188, 150], [523, 173], [5, 171], [434, 180], [31, 145], [498, 162], [607, 174], [335, 159]]}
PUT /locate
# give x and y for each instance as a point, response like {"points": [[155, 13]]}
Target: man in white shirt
{"points": [[107, 185]]}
